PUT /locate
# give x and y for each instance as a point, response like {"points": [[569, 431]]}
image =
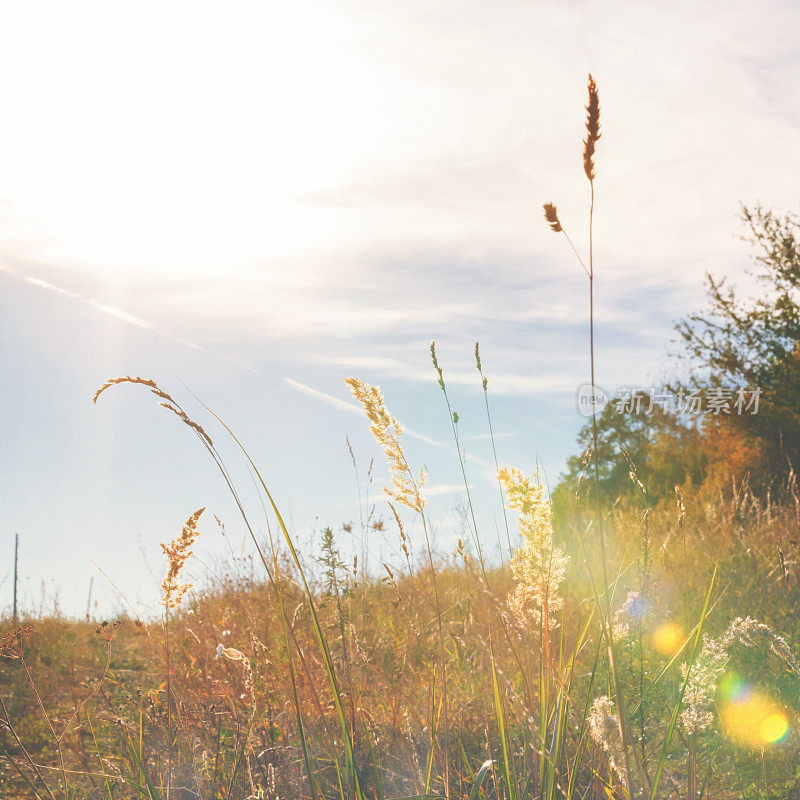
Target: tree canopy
{"points": [[740, 343]]}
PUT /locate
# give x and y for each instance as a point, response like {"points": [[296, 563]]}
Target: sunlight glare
{"points": [[207, 153], [749, 717], [668, 638]]}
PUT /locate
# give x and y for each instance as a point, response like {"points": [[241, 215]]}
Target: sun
{"points": [[211, 134]]}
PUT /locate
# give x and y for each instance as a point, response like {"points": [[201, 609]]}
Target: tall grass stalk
{"points": [[551, 215], [485, 387]]}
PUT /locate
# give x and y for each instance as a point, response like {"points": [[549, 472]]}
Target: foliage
{"points": [[755, 341]]}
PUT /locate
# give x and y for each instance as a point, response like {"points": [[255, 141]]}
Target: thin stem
{"points": [[623, 727], [92, 694], [577, 254], [494, 453], [443, 664], [169, 698], [50, 726], [24, 752]]}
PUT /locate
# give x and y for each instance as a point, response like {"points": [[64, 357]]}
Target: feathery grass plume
{"points": [[701, 690], [551, 215], [700, 695], [177, 552], [166, 402], [592, 129], [538, 566], [406, 487], [748, 631], [604, 729]]}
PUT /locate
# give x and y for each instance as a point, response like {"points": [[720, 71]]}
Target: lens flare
{"points": [[749, 717], [734, 689], [668, 638], [774, 727]]}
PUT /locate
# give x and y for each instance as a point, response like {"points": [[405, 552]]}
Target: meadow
{"points": [[636, 639]]}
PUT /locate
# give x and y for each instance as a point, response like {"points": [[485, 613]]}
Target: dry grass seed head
{"points": [[177, 552], [406, 487], [592, 129], [551, 215], [604, 729], [166, 402], [14, 643], [437, 367], [403, 538], [538, 566], [484, 381], [107, 630]]}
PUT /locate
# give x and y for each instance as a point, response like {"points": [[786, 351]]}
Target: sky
{"points": [[251, 201]]}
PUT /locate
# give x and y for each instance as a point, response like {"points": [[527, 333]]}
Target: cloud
{"points": [[117, 313], [501, 382], [113, 311], [131, 319], [328, 399], [436, 491]]}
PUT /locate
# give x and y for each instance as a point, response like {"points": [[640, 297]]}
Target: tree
{"points": [[738, 343], [754, 343], [658, 447]]}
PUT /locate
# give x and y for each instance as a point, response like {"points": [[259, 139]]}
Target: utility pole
{"points": [[89, 601], [16, 562]]}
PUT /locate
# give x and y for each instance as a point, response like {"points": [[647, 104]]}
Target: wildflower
{"points": [[107, 631], [406, 487], [538, 566]]}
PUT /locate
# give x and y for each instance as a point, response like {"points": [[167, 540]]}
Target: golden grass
{"points": [[178, 552]]}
